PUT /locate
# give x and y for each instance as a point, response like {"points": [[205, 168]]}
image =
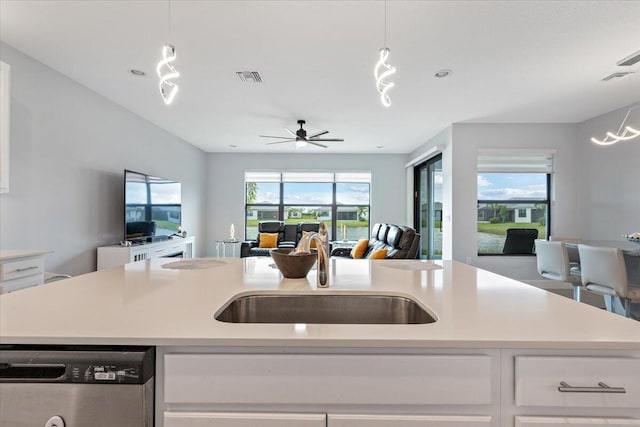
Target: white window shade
{"points": [[515, 160], [353, 177], [307, 177], [259, 176]]}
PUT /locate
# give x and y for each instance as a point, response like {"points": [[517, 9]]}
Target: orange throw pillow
{"points": [[268, 240], [359, 249], [312, 245], [378, 254]]}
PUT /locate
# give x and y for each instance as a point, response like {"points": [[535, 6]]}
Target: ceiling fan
{"points": [[301, 138]]}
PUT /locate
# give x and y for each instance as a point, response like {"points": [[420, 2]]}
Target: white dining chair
{"points": [[552, 261], [604, 272], [574, 257]]}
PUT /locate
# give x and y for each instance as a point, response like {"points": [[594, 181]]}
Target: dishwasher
{"points": [[76, 386]]}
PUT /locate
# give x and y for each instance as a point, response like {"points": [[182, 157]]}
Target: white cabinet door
{"points": [[575, 422], [239, 419], [343, 420], [327, 379], [612, 382]]}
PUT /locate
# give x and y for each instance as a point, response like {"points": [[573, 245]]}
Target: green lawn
{"points": [[501, 229]]}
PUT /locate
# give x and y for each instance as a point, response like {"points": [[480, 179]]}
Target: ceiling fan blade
{"points": [[291, 132], [326, 140], [315, 143], [280, 142], [315, 135], [269, 136]]}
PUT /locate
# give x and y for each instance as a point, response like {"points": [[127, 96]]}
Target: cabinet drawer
{"points": [[22, 283], [538, 382], [158, 252], [232, 419], [575, 422], [407, 421], [21, 268], [328, 379]]}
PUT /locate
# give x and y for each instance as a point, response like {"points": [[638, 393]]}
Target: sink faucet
{"points": [[322, 246]]}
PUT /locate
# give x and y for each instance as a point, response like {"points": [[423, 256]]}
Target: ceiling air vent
{"points": [[249, 76], [616, 75], [629, 60]]}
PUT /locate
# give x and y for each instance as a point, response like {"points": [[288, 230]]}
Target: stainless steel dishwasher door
{"points": [[78, 405], [76, 386]]}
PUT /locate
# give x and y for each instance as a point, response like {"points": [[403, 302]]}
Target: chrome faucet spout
{"points": [[322, 267]]}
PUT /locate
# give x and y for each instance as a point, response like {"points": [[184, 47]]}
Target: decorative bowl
{"points": [[294, 266]]}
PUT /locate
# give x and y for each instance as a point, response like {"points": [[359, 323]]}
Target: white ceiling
{"points": [[517, 61]]}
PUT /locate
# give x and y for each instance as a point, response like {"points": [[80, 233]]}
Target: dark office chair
{"points": [[520, 241]]}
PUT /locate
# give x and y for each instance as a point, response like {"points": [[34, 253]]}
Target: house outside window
{"points": [[339, 199], [513, 192]]}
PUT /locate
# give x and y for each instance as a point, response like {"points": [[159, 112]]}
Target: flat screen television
{"points": [[152, 207]]}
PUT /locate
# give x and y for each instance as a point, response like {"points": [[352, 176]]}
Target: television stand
{"points": [[113, 255]]}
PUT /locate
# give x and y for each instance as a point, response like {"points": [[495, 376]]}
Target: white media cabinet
{"points": [[111, 256]]}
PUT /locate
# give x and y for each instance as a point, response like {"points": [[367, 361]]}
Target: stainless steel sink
{"points": [[324, 308]]}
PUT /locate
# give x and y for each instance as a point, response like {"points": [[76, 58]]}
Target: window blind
{"points": [[269, 176], [515, 160]]}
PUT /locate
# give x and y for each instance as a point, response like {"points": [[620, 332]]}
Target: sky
{"points": [[515, 186]]}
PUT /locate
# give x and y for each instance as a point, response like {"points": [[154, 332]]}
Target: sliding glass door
{"points": [[428, 207]]}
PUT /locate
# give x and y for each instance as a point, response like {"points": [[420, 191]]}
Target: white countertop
{"points": [[145, 304], [7, 254]]}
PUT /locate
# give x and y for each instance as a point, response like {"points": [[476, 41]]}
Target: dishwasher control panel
{"points": [[105, 373], [105, 365]]}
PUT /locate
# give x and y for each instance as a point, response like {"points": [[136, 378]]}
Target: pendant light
{"points": [[383, 69], [166, 71], [624, 133]]}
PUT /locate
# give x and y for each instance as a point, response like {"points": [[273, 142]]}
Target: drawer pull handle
{"points": [[602, 388], [20, 270]]}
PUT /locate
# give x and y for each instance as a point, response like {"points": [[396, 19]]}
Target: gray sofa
{"points": [[401, 242]]}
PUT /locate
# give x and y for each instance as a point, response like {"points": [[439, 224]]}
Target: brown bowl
{"points": [[293, 266]]}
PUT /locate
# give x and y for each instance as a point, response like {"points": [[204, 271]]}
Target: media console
{"points": [[111, 256]]}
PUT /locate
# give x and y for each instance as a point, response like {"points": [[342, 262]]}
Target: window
{"points": [[340, 200], [513, 192]]}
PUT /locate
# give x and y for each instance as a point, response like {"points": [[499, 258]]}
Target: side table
{"points": [[224, 244]]}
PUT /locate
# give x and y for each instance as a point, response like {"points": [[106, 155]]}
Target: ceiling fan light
{"points": [[300, 143]]}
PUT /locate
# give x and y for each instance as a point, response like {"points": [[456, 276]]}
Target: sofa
{"points": [[401, 242], [288, 236]]}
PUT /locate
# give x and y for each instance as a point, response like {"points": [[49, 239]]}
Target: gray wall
{"points": [[595, 190], [610, 176], [566, 219], [69, 147], [225, 193]]}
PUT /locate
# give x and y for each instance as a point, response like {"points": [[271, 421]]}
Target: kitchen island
{"points": [[495, 356]]}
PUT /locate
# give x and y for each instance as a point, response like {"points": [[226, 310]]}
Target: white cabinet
{"points": [[21, 269], [349, 420], [577, 382], [571, 387], [425, 388], [233, 419], [353, 390], [575, 422], [111, 256], [331, 379]]}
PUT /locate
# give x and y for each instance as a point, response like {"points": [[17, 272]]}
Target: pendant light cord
{"points": [[385, 23]]}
